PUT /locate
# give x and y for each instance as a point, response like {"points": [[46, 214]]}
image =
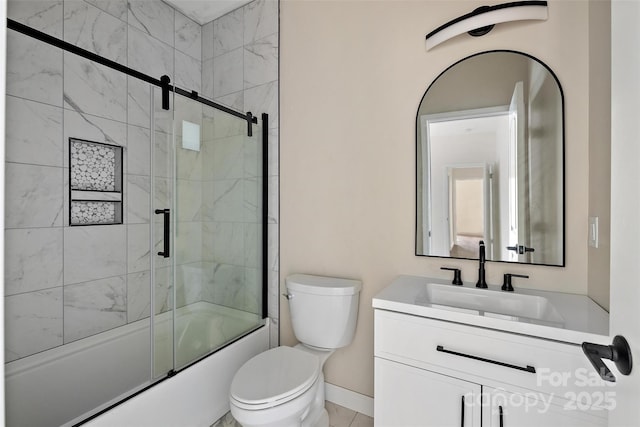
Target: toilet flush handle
{"points": [[288, 296]]}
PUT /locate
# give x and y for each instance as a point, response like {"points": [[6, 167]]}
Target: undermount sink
{"points": [[489, 303]]}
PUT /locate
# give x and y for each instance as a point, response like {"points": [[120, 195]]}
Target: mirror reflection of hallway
{"points": [[466, 211], [502, 109], [465, 157]]}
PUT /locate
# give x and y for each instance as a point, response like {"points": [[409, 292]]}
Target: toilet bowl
{"points": [[278, 388], [284, 386]]}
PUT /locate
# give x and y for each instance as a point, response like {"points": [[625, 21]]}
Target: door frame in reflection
{"points": [[460, 240], [433, 221]]}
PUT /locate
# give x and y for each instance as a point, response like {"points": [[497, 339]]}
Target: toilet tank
{"points": [[324, 310]]}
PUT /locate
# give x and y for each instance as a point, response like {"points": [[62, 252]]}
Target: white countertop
{"points": [[584, 320]]}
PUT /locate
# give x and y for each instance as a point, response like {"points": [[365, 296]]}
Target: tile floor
{"points": [[339, 416]]}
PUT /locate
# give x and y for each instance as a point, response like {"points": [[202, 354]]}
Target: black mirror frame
{"points": [[564, 180]]}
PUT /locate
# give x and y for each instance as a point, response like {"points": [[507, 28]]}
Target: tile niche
{"points": [[96, 183]]}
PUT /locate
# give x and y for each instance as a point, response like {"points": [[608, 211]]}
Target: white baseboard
{"points": [[349, 399]]}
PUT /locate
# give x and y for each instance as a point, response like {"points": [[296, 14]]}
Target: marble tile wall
{"points": [[231, 221], [189, 271], [240, 70], [65, 283]]}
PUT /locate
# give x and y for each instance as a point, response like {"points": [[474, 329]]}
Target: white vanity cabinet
{"points": [[506, 409], [424, 367], [410, 396]]}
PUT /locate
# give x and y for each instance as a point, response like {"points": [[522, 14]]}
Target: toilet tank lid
{"points": [[321, 285]]}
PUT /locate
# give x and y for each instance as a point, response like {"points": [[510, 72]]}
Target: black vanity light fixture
{"points": [[483, 19]]}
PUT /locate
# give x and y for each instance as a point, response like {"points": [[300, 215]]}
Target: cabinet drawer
{"points": [[485, 355]]}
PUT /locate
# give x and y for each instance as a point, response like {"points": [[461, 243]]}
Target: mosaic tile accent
{"points": [[89, 212], [95, 167], [96, 183]]}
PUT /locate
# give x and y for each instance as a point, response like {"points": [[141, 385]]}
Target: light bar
{"points": [[481, 21]]}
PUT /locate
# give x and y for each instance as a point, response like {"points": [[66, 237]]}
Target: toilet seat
{"points": [[274, 377]]}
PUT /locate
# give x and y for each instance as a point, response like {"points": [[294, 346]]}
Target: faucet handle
{"points": [[506, 283], [457, 278]]}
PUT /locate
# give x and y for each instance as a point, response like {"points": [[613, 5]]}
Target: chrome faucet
{"points": [[482, 259]]}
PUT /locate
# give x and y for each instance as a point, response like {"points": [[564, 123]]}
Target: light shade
{"points": [[487, 17], [190, 136]]}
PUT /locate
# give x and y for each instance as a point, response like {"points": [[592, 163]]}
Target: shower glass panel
{"points": [[162, 188], [102, 303], [208, 174]]}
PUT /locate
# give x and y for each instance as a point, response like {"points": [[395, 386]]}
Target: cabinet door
{"points": [[411, 397], [506, 409]]}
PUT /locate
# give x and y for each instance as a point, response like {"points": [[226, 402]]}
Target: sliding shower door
{"points": [[207, 186], [162, 269]]}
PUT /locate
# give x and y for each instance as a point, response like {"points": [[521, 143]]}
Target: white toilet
{"points": [[284, 386]]}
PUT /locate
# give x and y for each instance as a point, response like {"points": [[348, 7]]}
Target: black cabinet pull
{"points": [[528, 368], [501, 419], [167, 231], [462, 414]]}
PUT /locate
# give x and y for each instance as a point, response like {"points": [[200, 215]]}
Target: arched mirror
{"points": [[490, 161]]}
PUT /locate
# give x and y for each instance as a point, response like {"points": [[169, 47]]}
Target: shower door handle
{"points": [[167, 231]]}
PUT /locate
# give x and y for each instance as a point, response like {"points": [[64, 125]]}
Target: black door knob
{"points": [[619, 352]]}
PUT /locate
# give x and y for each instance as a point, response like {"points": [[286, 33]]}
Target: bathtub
{"points": [[35, 393]]}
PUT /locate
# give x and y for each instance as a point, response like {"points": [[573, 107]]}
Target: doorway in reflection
{"points": [[467, 174], [467, 205]]}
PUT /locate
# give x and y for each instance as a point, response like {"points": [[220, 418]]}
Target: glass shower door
{"points": [[162, 268], [215, 223]]}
